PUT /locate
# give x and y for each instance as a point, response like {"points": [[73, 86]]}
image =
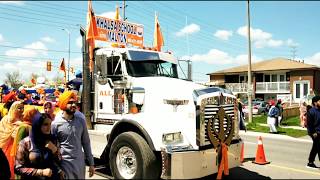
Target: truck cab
{"points": [[148, 123]]}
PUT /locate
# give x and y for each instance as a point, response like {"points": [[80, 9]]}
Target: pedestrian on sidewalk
{"points": [[303, 113], [242, 125], [280, 110], [272, 117], [313, 126], [71, 130]]}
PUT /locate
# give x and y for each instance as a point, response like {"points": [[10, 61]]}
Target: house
{"points": [[277, 78]]}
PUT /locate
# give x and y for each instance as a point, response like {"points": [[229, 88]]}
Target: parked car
{"points": [[258, 107], [246, 110], [261, 106], [253, 100]]}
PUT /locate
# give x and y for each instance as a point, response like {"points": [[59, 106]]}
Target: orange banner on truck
{"points": [[118, 31]]}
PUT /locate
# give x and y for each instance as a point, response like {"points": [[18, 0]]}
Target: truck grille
{"points": [[208, 111]]}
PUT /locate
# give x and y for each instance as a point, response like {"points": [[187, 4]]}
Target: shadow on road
{"points": [[238, 173], [234, 173]]}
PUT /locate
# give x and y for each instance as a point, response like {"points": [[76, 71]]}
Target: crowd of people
{"points": [[38, 97], [275, 115], [42, 145]]}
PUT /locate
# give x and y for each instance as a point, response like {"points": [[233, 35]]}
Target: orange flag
{"points": [[62, 66], [157, 36], [33, 81], [92, 33]]}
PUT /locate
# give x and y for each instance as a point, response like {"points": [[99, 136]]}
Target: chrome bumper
{"points": [[196, 164]]}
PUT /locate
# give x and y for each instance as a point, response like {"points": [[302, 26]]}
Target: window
{"points": [[287, 76], [305, 89], [274, 78], [282, 77], [243, 79], [149, 68], [297, 91], [266, 78], [114, 66]]}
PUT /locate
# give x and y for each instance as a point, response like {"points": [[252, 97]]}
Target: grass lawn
{"points": [[293, 121]]}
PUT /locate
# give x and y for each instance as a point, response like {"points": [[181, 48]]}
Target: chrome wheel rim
{"points": [[126, 162]]}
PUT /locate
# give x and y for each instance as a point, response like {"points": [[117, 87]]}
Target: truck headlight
{"points": [[172, 138]]}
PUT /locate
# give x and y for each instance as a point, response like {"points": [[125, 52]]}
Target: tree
{"points": [[13, 79]]}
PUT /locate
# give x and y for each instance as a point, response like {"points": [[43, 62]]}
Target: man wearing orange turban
{"points": [[73, 136], [65, 98]]}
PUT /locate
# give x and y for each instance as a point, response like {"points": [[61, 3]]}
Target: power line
{"points": [[51, 50], [54, 12], [204, 36], [33, 22], [26, 11]]}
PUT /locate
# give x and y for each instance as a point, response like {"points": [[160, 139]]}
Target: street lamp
{"points": [[68, 51], [250, 89]]}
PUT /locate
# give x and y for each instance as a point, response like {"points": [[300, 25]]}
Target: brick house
{"points": [[276, 78]]}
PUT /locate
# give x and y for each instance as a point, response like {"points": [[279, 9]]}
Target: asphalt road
{"points": [[287, 156]]}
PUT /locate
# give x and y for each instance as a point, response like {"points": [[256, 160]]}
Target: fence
{"points": [[290, 112]]}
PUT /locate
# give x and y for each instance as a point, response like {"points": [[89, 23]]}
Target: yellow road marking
{"points": [[293, 169]]}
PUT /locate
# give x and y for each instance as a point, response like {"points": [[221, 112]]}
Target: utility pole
{"points": [[189, 61], [250, 89], [86, 97], [124, 10], [189, 70]]}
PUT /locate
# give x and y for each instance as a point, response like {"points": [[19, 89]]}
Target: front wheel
{"points": [[131, 158]]}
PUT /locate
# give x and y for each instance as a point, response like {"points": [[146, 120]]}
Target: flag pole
{"points": [[65, 78]]}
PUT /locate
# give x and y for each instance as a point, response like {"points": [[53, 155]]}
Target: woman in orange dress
{"points": [[8, 130]]}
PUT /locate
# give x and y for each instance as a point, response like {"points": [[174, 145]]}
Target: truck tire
{"points": [[131, 158]]}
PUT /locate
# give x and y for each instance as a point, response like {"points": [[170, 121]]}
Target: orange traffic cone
{"points": [[242, 153], [260, 157]]}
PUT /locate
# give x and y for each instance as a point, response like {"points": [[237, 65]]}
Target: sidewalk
{"points": [[292, 127], [275, 136]]}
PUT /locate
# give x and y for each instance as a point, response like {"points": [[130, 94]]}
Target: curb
{"points": [[273, 136]]}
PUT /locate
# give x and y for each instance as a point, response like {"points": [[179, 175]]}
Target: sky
{"points": [[212, 34]]}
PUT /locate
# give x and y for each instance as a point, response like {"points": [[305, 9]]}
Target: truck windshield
{"points": [[151, 68]]}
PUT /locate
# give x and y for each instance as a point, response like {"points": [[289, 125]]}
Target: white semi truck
{"points": [[149, 124]]}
